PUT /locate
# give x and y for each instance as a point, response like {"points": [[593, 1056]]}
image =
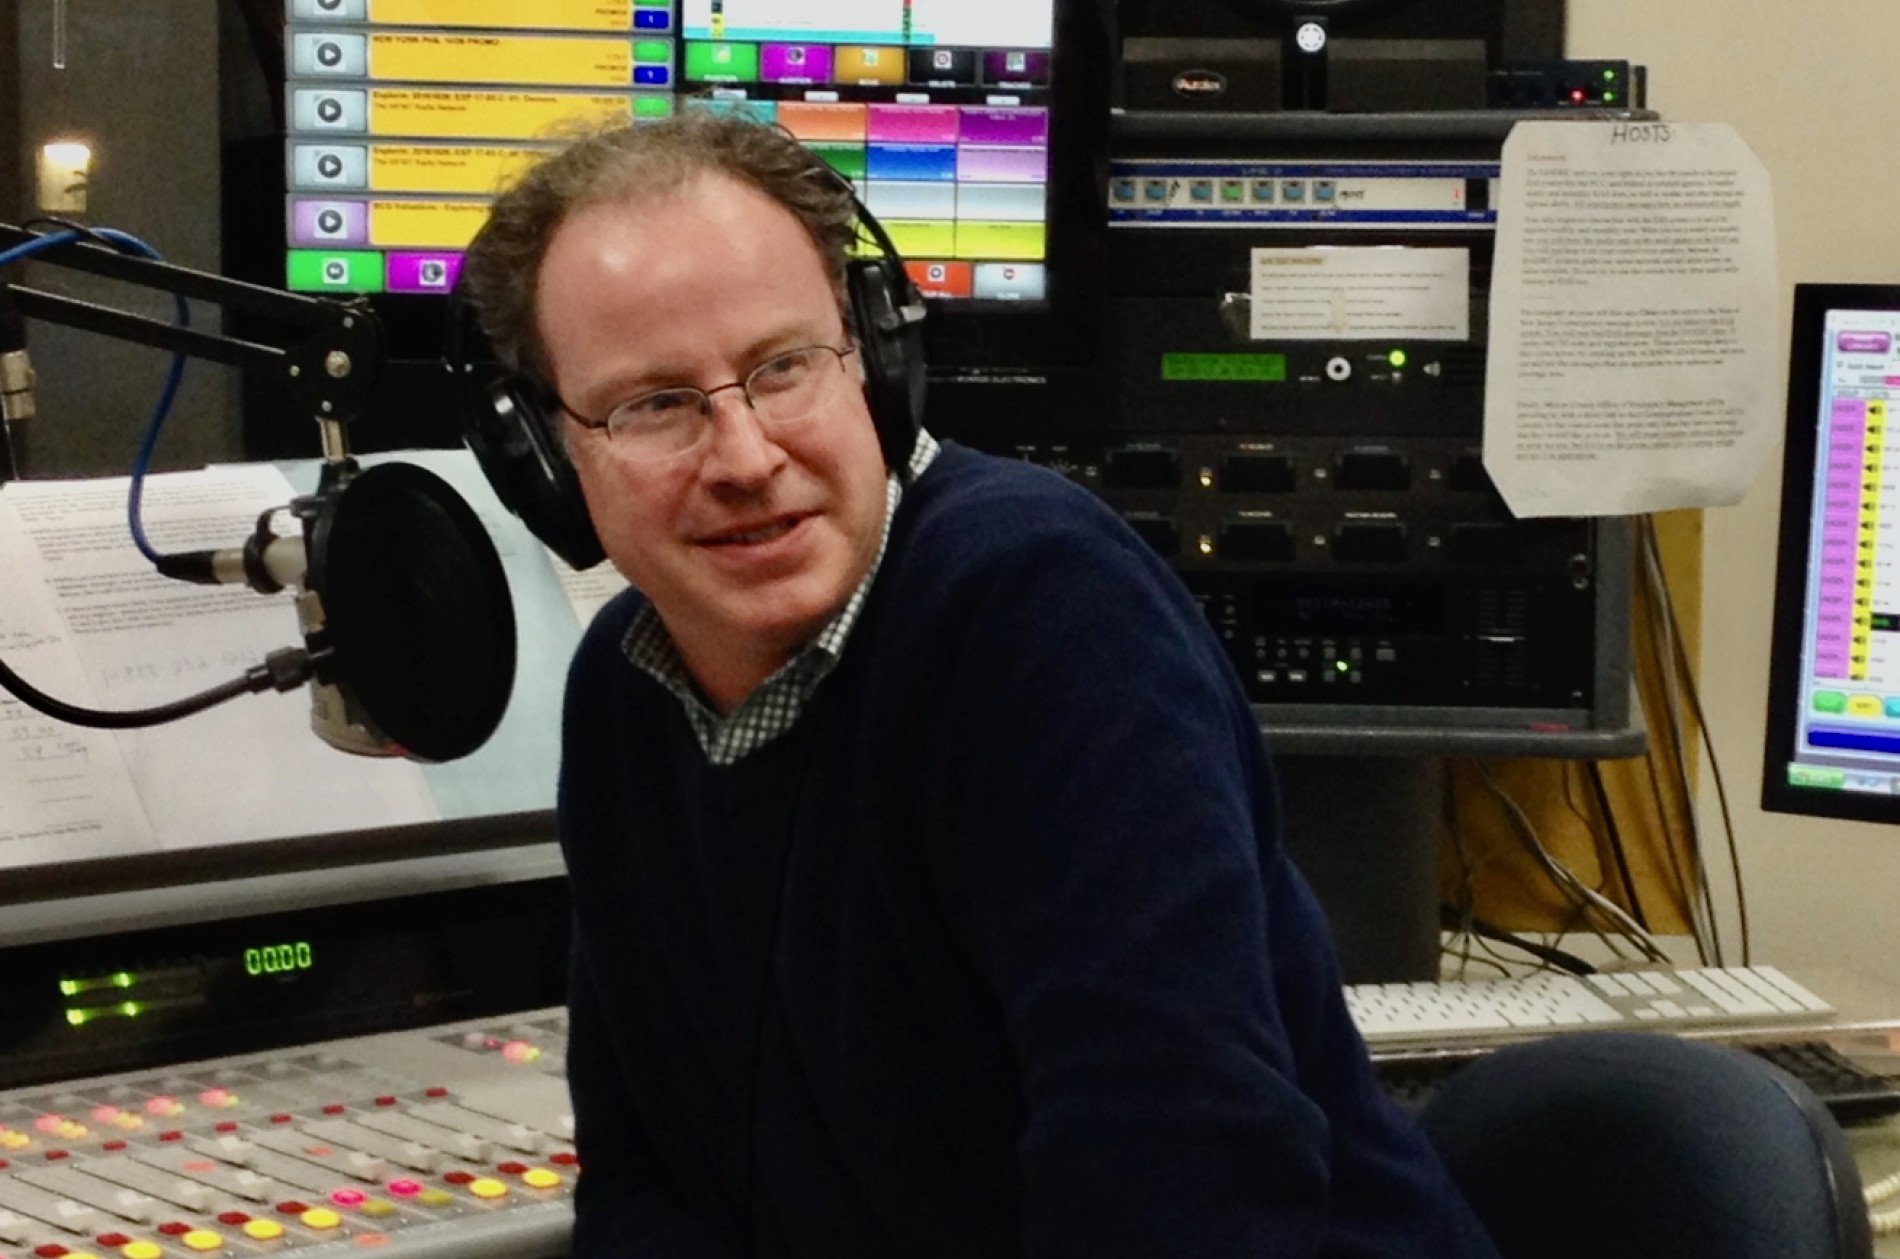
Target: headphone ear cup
{"points": [[891, 348], [518, 445]]}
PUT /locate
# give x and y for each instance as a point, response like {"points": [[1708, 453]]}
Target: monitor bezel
{"points": [[1788, 633], [962, 335]]}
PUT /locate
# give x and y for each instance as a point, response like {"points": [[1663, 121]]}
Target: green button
{"points": [[1830, 702], [652, 106], [652, 52], [847, 159], [1815, 776], [334, 271], [721, 62]]}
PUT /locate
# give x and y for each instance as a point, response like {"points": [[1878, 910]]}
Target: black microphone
{"points": [[406, 610], [403, 605]]}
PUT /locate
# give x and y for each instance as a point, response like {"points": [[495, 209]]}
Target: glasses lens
{"points": [[660, 424], [786, 389]]}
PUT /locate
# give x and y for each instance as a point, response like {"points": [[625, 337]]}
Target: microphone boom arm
{"points": [[329, 371]]}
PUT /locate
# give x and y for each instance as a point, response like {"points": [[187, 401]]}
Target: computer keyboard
{"points": [[1451, 1012], [1854, 1093]]}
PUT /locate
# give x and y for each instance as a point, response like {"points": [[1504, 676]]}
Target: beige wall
{"points": [[1810, 85]]}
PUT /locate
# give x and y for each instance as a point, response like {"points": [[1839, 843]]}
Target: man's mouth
{"points": [[757, 534]]}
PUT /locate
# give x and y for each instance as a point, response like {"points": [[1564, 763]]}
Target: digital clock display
{"points": [[279, 959]]}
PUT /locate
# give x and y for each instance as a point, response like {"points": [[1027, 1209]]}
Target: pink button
{"points": [[348, 1197], [404, 1188]]}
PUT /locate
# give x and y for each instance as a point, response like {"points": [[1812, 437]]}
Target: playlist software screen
{"points": [[1848, 733], [404, 117]]}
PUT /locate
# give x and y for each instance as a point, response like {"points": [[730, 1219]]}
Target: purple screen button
{"points": [[1865, 342], [422, 272], [795, 63], [1016, 68], [1027, 127], [329, 223]]}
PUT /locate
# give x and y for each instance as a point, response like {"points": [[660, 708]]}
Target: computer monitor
{"points": [[972, 128], [1833, 729]]}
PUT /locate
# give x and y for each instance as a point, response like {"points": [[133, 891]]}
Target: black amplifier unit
{"points": [[1289, 406]]}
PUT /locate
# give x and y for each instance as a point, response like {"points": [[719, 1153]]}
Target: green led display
{"points": [[279, 959], [1223, 367]]}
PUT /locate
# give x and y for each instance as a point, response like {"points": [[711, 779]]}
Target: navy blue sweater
{"points": [[995, 953]]}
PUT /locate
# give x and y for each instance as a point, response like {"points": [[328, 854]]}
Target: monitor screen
{"points": [[1833, 729], [976, 130], [403, 117]]}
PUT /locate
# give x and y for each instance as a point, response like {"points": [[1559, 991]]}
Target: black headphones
{"points": [[513, 426]]}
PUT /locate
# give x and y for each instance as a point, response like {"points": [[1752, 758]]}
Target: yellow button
{"points": [[263, 1230], [321, 1217], [80, 1254], [376, 1208], [202, 1239], [487, 1188], [541, 1178], [142, 1250], [435, 1198]]}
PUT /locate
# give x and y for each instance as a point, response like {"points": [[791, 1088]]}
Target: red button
{"points": [[55, 1155], [566, 1158], [114, 1239], [173, 1135], [438, 1091], [51, 1250], [113, 1145], [334, 1108], [280, 1118], [511, 1169], [234, 1218], [174, 1229], [292, 1207], [458, 1178], [385, 1101], [227, 1126]]}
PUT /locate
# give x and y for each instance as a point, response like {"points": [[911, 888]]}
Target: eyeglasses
{"points": [[783, 392]]}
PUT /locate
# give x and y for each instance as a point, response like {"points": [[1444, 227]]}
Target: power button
{"points": [[1339, 368]]}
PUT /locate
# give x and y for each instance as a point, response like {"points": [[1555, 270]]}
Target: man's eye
{"points": [[659, 405], [784, 370]]}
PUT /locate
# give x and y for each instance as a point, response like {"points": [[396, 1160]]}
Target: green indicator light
{"points": [[1609, 76], [68, 988], [1396, 358], [122, 980], [130, 1009], [1341, 666], [1609, 98], [77, 1017]]}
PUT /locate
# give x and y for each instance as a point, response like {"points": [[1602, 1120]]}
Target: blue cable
{"points": [[148, 441]]}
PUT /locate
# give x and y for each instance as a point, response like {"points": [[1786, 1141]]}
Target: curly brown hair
{"points": [[632, 162]]}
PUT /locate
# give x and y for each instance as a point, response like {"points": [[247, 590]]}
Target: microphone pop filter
{"points": [[416, 610]]}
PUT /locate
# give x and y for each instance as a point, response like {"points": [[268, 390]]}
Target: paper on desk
{"points": [[1634, 319], [64, 791], [246, 769]]}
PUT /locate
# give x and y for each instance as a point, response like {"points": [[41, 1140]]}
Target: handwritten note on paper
{"points": [[64, 791], [1634, 319], [247, 769]]}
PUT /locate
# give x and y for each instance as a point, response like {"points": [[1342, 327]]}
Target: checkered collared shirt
{"points": [[772, 708]]}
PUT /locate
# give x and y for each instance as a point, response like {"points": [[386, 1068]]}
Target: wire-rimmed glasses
{"points": [[783, 392]]}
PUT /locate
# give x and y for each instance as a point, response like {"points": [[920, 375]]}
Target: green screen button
{"points": [[1830, 702], [1816, 776], [335, 271]]}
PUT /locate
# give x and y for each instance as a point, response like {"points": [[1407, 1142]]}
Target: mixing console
{"points": [[448, 1142]]}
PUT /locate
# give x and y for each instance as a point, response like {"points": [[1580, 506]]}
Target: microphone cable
{"points": [[283, 670]]}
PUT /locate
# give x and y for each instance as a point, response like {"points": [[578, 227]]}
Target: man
{"points": [[927, 898]]}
